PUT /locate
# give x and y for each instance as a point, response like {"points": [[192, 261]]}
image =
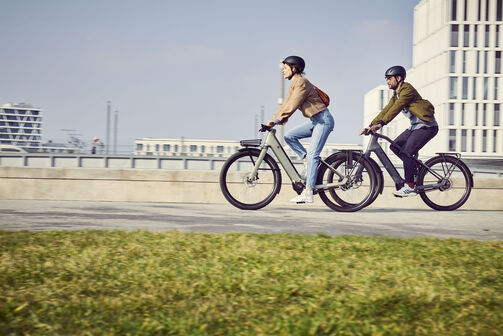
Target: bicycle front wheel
{"points": [[245, 191], [447, 182], [357, 192]]}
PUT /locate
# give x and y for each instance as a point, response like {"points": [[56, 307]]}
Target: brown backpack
{"points": [[324, 97]]}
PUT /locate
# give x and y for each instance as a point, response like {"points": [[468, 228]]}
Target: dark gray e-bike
{"points": [[443, 182]]}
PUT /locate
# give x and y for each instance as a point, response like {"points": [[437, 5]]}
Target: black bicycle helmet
{"points": [[396, 70], [295, 61]]}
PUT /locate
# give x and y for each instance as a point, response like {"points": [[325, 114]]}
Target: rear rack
{"points": [[457, 155], [250, 143]]}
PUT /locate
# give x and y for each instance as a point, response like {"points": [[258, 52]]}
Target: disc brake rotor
{"points": [[446, 186], [250, 183]]}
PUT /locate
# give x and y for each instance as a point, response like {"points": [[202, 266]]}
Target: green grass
{"points": [[143, 283]]}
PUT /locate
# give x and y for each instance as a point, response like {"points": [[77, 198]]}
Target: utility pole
{"points": [[281, 99], [107, 143], [255, 125], [116, 124]]}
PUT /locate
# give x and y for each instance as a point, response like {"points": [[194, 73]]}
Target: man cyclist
{"points": [[423, 126]]}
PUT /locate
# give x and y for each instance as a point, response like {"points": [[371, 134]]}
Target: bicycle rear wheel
{"points": [[245, 191], [356, 193], [456, 178]]}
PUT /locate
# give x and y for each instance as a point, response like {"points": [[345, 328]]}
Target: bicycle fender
{"points": [[257, 152], [377, 170], [470, 175], [379, 173]]}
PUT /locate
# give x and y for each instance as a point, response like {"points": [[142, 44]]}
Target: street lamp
{"points": [[281, 98]]}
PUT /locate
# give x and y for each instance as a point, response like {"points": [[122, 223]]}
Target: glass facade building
{"points": [[21, 126], [456, 65]]}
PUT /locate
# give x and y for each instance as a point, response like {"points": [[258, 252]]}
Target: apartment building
{"points": [[21, 126], [456, 65]]}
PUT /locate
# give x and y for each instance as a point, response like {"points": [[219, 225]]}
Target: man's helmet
{"points": [[295, 61], [396, 70]]}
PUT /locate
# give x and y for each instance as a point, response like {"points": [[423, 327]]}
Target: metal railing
{"points": [[117, 161], [41, 160]]}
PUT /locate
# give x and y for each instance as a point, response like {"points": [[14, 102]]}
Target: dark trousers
{"points": [[411, 142]]}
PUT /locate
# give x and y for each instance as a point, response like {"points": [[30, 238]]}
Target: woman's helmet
{"points": [[396, 70], [295, 61]]}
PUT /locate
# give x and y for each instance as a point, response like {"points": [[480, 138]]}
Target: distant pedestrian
{"points": [[96, 142]]}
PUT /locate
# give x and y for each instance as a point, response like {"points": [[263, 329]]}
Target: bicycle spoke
{"points": [[355, 193], [245, 191], [455, 184]]}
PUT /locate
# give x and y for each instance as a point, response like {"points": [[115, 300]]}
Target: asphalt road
{"points": [[221, 218]]}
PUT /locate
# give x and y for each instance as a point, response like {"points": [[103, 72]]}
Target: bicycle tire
{"points": [[377, 172], [234, 180], [379, 180], [457, 189], [342, 198]]}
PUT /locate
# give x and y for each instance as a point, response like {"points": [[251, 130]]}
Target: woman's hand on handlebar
{"points": [[268, 125], [371, 130]]}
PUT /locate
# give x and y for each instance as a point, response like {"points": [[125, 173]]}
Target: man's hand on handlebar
{"points": [[371, 130]]}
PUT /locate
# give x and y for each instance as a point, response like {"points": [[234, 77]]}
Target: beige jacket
{"points": [[303, 96]]}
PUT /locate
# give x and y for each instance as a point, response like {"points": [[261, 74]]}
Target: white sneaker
{"points": [[305, 197], [405, 191]]}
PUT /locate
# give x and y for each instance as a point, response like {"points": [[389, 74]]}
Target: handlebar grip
{"points": [[264, 128]]}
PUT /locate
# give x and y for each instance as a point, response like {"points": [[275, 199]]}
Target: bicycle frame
{"points": [[374, 147], [381, 155], [272, 142]]}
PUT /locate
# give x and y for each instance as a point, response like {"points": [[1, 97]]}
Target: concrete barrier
{"points": [[138, 185]]}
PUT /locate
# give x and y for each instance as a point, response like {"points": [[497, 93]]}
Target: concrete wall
{"points": [[137, 185]]}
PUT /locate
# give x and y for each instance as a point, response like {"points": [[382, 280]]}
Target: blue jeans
{"points": [[318, 129]]}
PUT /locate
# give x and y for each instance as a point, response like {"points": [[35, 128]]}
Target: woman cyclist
{"points": [[302, 95]]}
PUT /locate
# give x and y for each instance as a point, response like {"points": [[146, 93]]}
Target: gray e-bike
{"points": [[251, 178]]}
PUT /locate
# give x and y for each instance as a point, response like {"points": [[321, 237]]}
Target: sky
{"points": [[198, 69]]}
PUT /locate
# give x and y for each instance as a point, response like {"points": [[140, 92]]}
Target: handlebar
{"points": [[368, 132], [378, 135], [265, 128]]}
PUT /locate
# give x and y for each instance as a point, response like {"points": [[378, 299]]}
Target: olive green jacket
{"points": [[410, 100], [303, 96]]}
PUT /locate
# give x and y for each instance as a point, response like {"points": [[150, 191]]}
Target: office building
{"points": [[210, 148], [21, 126], [456, 65]]}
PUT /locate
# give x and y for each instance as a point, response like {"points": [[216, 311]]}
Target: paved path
{"points": [[219, 218]]}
